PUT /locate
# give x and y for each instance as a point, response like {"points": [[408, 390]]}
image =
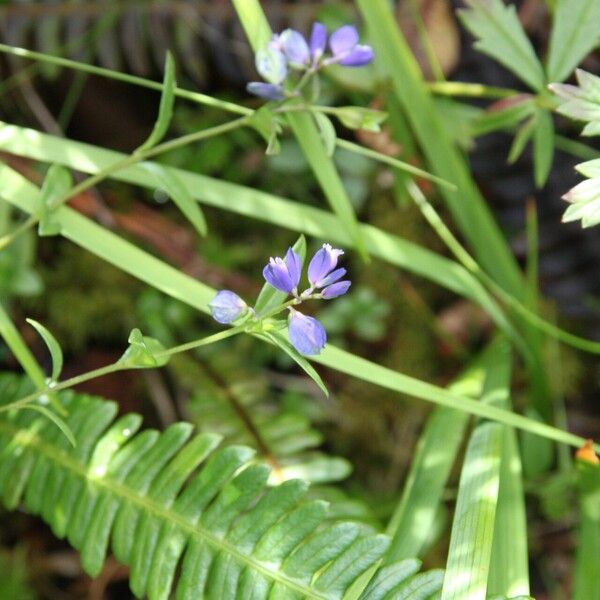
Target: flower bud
{"points": [[227, 306], [307, 335]]}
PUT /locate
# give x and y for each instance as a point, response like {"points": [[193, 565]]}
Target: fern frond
{"points": [[182, 512]]}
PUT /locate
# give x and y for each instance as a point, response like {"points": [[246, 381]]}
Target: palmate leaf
{"points": [[500, 35], [173, 500]]}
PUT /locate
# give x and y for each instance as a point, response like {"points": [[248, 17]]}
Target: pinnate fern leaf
{"points": [[185, 514]]}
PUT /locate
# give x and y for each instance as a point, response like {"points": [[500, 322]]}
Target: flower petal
{"points": [[294, 266], [318, 40], [343, 40], [336, 289], [332, 277], [276, 274], [322, 263], [266, 90], [271, 64], [226, 306], [360, 56], [306, 334], [295, 47]]}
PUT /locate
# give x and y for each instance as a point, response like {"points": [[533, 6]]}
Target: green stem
{"points": [[11, 236], [114, 367], [140, 81], [469, 263], [469, 90], [142, 155], [394, 162]]}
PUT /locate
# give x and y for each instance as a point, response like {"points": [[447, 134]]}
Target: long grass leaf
{"points": [[127, 257], [472, 534], [260, 205], [468, 208], [410, 525]]}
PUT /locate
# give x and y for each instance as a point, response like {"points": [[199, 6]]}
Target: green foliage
{"points": [[172, 498], [57, 183], [574, 34], [500, 35]]}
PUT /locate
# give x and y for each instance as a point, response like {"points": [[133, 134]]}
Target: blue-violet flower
{"points": [[318, 41], [227, 306], [272, 65], [307, 335], [322, 265], [284, 274], [346, 50], [336, 289]]}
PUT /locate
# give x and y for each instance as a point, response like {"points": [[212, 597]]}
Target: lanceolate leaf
{"points": [[56, 185], [543, 146], [170, 183], [575, 33], [174, 502], [165, 110], [281, 341], [53, 346], [500, 35]]}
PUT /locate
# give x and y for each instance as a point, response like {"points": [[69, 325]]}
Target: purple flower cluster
{"points": [[306, 334], [290, 50]]}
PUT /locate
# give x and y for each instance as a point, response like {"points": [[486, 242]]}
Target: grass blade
{"points": [[410, 525], [472, 534], [130, 259], [256, 204]]}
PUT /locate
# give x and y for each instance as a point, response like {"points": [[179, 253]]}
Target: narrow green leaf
{"points": [[358, 117], [543, 146], [66, 431], [56, 184], [575, 33], [430, 468], [53, 346], [327, 131], [500, 35], [472, 534], [249, 202], [279, 340], [509, 566], [266, 122], [167, 180], [523, 135], [143, 352], [165, 109], [586, 580], [504, 118], [468, 208], [171, 281], [269, 297]]}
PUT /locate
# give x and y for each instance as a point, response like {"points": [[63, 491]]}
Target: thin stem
{"points": [[11, 236], [469, 90], [471, 264], [140, 81], [142, 155]]}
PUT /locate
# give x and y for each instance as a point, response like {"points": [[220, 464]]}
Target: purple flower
{"points": [[346, 50], [306, 333], [294, 48], [318, 41], [322, 264], [272, 65], [284, 274], [266, 90], [227, 306], [336, 289]]}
